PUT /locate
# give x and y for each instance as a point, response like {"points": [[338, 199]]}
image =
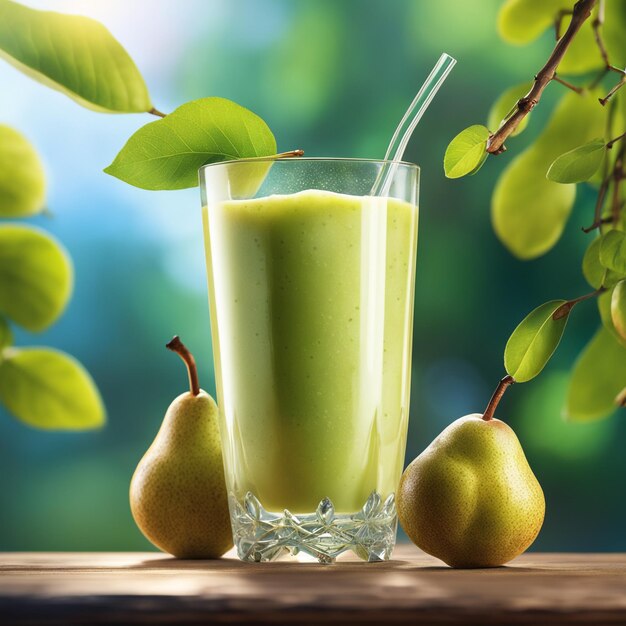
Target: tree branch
{"points": [[598, 220], [580, 13], [597, 25], [566, 307]]}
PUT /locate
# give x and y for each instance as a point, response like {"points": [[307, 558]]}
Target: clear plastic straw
{"points": [[407, 125]]}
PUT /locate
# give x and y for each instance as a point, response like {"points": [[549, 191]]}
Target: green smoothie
{"points": [[311, 310]]}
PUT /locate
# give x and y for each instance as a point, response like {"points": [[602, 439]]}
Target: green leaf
{"points": [[22, 179], [528, 211], [49, 389], [166, 154], [613, 251], [467, 152], [534, 341], [597, 378], [505, 105], [583, 54], [35, 277], [539, 423], [73, 54], [522, 21], [579, 164], [595, 273], [593, 270], [618, 308], [604, 309], [6, 336]]}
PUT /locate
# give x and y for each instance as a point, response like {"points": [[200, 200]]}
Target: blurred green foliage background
{"points": [[333, 78]]}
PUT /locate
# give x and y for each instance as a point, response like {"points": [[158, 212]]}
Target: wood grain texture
{"points": [[150, 588]]}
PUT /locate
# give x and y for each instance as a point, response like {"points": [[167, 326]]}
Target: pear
{"points": [[178, 493], [471, 499]]}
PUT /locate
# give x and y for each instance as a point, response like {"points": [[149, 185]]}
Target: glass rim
{"points": [[276, 158]]}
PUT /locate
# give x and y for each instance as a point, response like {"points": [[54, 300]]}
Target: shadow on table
{"points": [[234, 564]]}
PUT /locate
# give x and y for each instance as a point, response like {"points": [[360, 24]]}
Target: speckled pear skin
{"points": [[178, 492], [471, 499]]}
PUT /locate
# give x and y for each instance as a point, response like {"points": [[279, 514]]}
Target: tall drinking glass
{"points": [[311, 295]]}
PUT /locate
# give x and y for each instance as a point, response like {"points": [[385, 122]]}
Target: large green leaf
{"points": [[596, 274], [49, 389], [529, 211], [22, 180], [579, 164], [505, 105], [522, 21], [534, 341], [613, 31], [35, 277], [604, 309], [593, 270], [166, 154], [467, 152], [6, 336], [597, 378], [540, 424], [583, 54], [73, 54], [618, 309], [613, 251]]}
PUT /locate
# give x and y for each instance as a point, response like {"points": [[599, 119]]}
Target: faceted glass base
{"points": [[260, 535]]}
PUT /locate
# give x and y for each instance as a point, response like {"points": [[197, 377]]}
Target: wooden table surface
{"points": [[150, 588]]}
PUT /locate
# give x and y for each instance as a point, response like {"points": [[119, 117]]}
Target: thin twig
{"points": [[598, 79], [609, 95], [610, 144], [598, 220], [156, 112], [618, 177], [597, 224], [558, 21], [566, 307], [567, 84], [597, 213], [580, 13], [597, 25]]}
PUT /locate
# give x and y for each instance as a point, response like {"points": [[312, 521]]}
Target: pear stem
{"points": [[176, 345], [289, 155], [497, 396]]}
